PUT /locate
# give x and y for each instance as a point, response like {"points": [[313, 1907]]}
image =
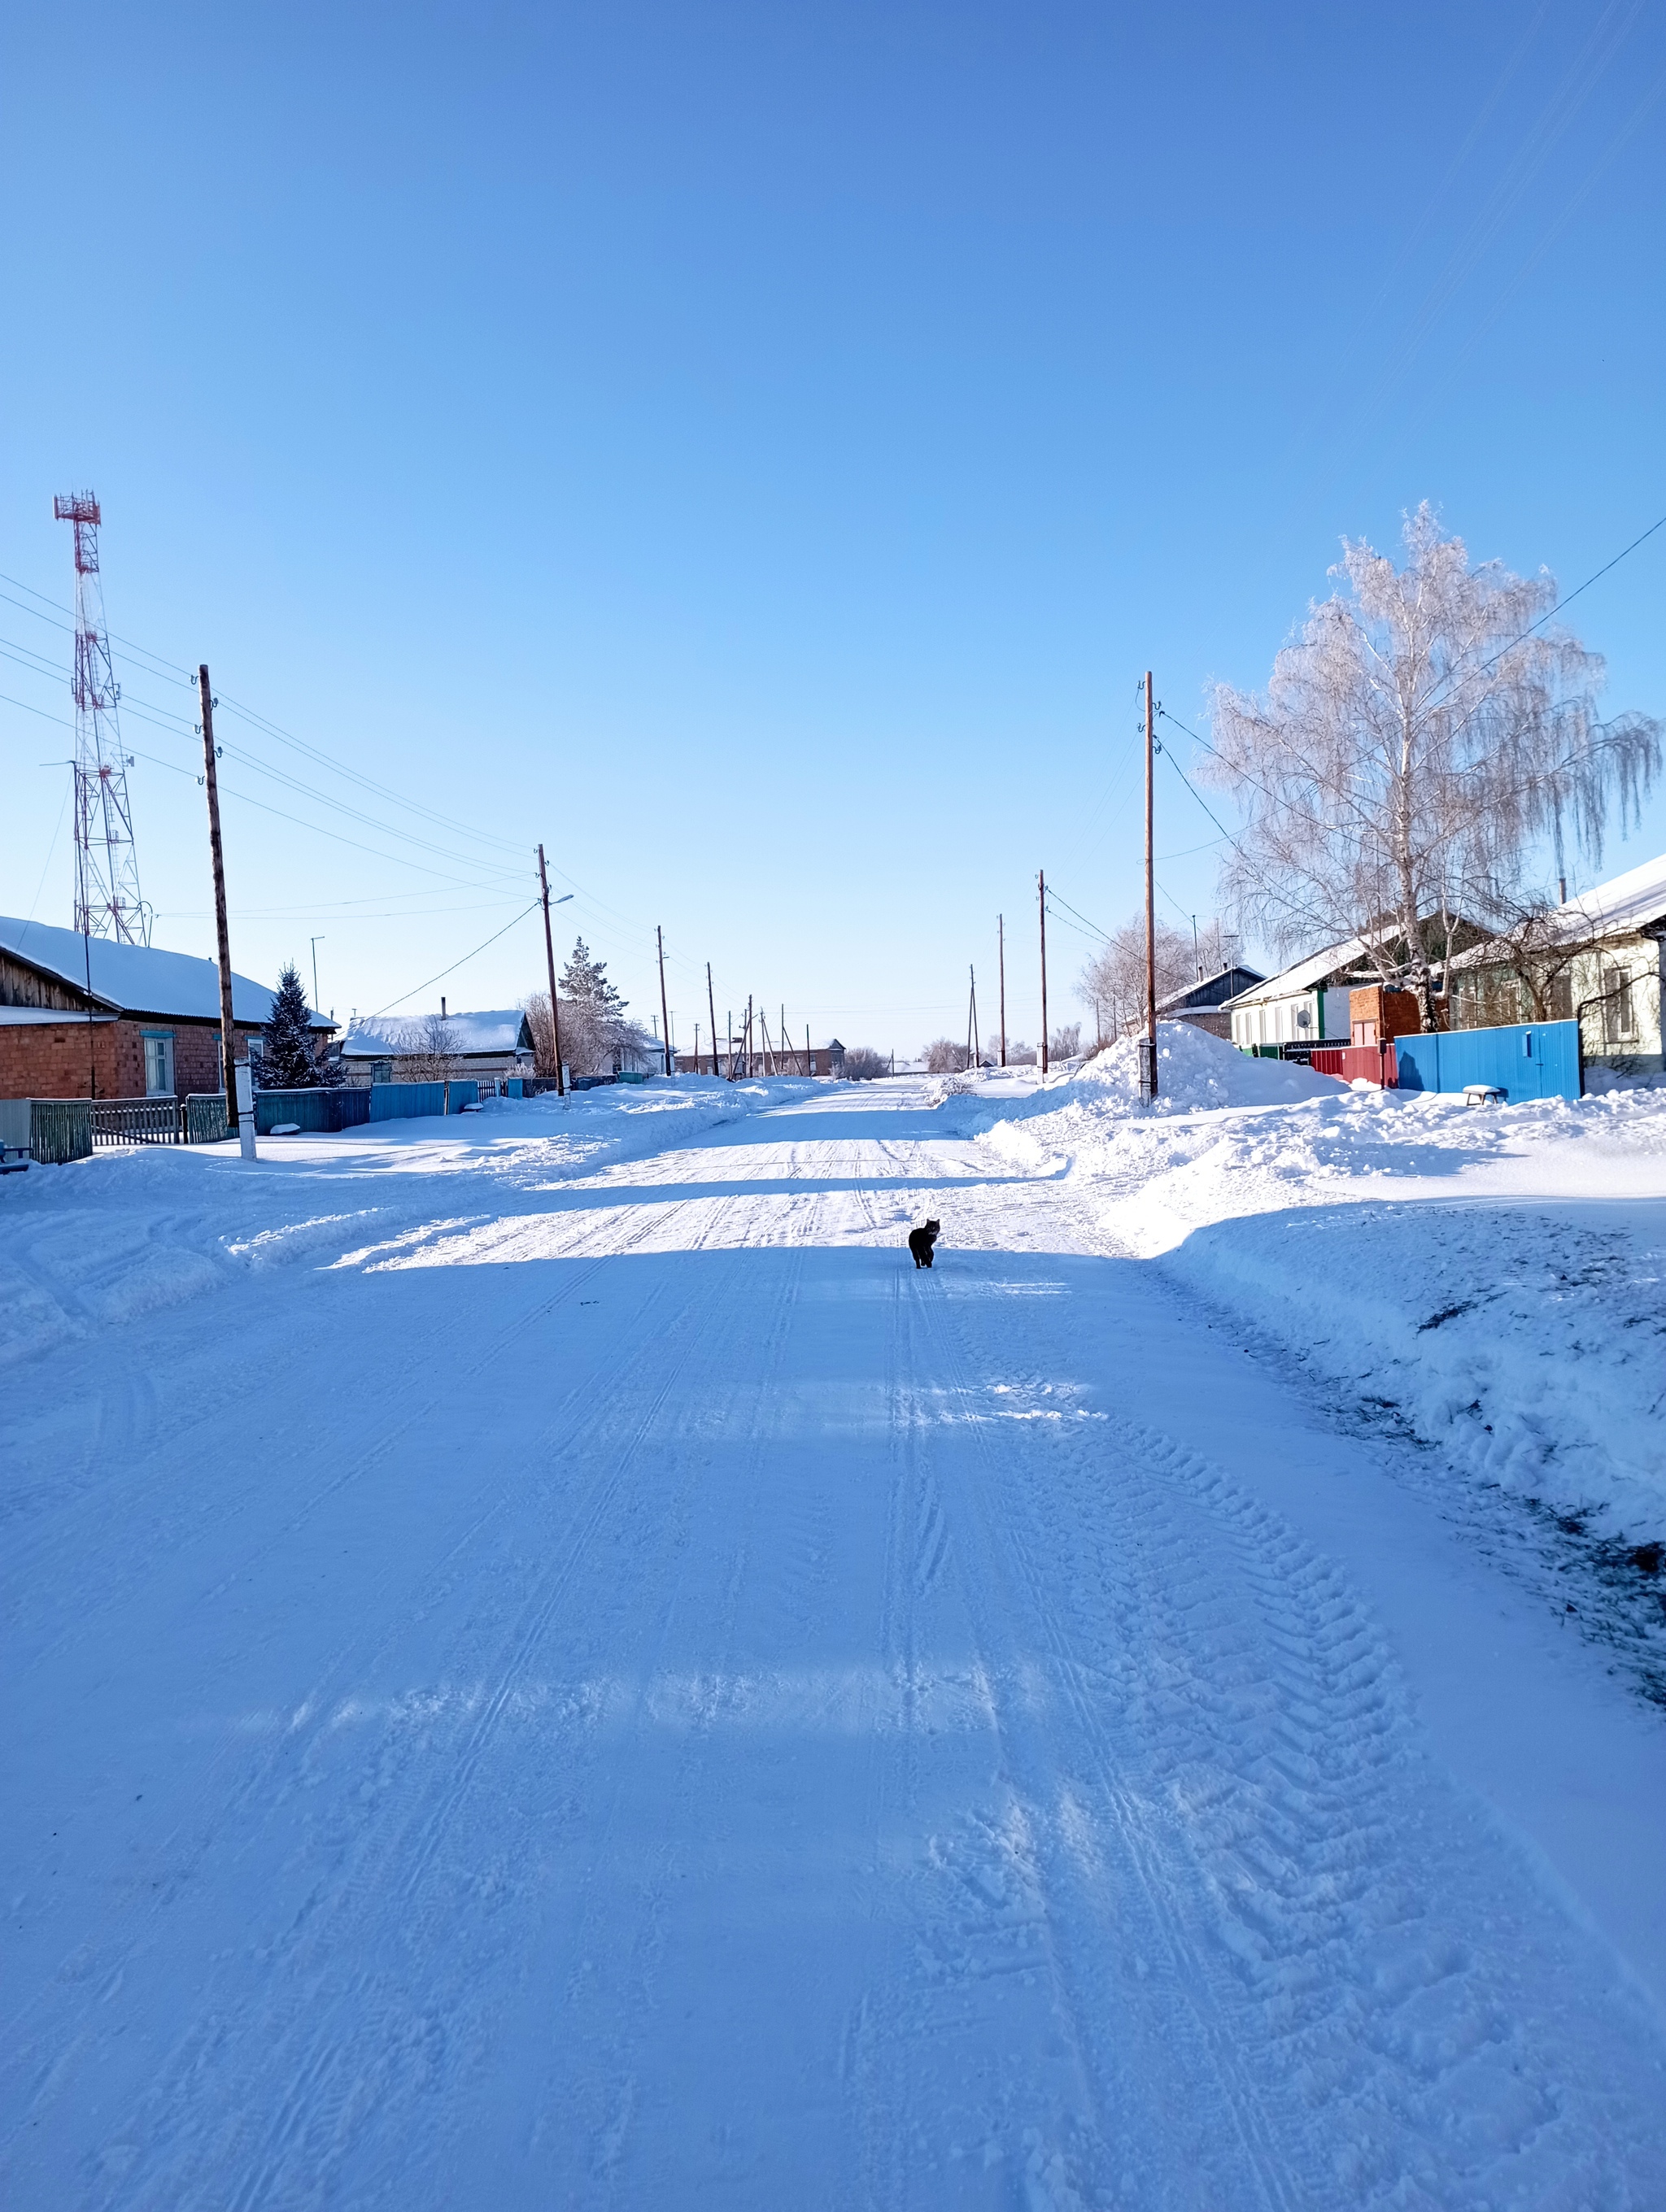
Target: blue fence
{"points": [[351, 1105], [344, 1107], [399, 1102], [1529, 1060]]}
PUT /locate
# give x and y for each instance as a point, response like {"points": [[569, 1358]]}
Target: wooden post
{"points": [[1041, 881], [1001, 939], [550, 959], [809, 1064], [712, 1009], [1151, 895], [660, 939], [227, 1033]]}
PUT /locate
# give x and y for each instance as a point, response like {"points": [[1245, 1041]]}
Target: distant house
{"points": [[1310, 1003], [1602, 956], [496, 1043], [81, 1016], [1307, 1003], [825, 1059], [1203, 1003]]}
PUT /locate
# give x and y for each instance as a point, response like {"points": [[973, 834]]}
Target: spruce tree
{"points": [[585, 981], [287, 1059]]}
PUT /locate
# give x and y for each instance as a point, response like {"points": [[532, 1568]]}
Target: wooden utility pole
{"points": [[712, 1009], [1001, 939], [977, 1043], [227, 1034], [1150, 899], [549, 958], [1041, 881], [660, 939], [810, 1066]]}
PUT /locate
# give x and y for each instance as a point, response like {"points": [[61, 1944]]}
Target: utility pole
{"points": [[728, 1037], [808, 1065], [315, 941], [1001, 939], [1040, 880], [549, 960], [1148, 1073], [977, 1043], [712, 1009], [211, 782], [660, 939]]}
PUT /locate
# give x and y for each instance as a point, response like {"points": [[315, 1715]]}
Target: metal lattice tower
{"points": [[107, 898]]}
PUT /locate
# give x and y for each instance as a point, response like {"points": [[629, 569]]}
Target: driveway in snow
{"points": [[611, 1688]]}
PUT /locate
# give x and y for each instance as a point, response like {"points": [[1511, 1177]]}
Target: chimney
{"points": [[442, 1006]]}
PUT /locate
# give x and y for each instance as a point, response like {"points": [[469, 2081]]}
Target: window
{"points": [[1618, 1003], [381, 1070], [159, 1064]]}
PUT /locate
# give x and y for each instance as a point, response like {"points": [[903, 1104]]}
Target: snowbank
{"points": [[101, 1242], [1492, 1280]]}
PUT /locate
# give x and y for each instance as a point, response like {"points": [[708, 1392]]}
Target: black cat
{"points": [[921, 1241]]}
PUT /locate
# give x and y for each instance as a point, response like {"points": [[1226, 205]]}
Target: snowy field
{"points": [[548, 1666]]}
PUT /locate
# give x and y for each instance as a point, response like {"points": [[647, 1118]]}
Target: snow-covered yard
{"points": [[548, 1666]]}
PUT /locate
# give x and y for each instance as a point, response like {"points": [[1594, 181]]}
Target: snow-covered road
{"points": [[616, 1690]]}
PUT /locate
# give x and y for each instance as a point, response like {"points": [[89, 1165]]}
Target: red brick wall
{"points": [[45, 1061]]}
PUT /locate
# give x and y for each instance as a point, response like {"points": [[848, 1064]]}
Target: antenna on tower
{"points": [[107, 898]]}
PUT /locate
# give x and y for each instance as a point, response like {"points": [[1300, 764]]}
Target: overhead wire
{"points": [[455, 965]]}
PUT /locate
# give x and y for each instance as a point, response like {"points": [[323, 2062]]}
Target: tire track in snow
{"points": [[1271, 1728]]}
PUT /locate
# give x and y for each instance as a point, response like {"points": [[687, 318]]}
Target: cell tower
{"points": [[108, 900]]}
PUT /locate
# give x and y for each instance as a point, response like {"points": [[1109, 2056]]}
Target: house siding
{"points": [[47, 1061]]}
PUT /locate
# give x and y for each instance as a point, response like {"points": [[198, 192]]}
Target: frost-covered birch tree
{"points": [[1423, 733], [1114, 980]]}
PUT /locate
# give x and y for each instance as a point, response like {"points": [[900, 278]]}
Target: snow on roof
{"points": [[385, 1037], [139, 979], [1633, 901], [1317, 968], [1189, 991], [21, 1018], [1630, 901]]}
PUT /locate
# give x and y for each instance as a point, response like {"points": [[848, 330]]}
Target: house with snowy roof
{"points": [[1309, 1002], [498, 1041], [1203, 1004], [91, 1016], [1600, 957]]}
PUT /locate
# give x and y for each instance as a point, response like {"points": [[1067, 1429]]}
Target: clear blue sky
{"points": [[757, 449]]}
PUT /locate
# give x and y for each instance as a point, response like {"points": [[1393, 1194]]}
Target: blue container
{"points": [[1528, 1059]]}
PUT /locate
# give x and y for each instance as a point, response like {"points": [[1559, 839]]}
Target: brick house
{"points": [[147, 1027]]}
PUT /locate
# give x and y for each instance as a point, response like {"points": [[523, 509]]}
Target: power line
{"points": [[454, 966]]}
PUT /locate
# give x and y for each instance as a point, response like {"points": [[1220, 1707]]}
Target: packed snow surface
{"points": [[548, 1664]]}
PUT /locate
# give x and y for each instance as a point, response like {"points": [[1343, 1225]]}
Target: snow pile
{"points": [[1495, 1281], [1529, 1342], [1194, 1071], [105, 1240]]}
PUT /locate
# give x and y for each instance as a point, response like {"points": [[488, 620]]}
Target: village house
{"points": [[1599, 957], [487, 1045], [1203, 1004], [92, 1017], [1312, 1002]]}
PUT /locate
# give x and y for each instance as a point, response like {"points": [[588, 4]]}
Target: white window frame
{"points": [[159, 1054]]}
